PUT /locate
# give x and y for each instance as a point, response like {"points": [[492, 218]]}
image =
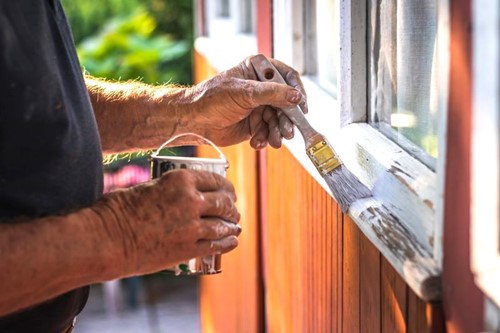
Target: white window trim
{"points": [[225, 26], [225, 45], [220, 56], [485, 224], [404, 219], [386, 219]]}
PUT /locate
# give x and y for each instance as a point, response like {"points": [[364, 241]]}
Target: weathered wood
{"points": [[400, 247], [352, 61], [398, 181]]}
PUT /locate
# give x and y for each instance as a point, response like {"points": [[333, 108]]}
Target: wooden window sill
{"points": [[402, 217]]}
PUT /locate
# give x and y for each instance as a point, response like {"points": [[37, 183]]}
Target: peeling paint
{"points": [[429, 203], [392, 233], [397, 173]]}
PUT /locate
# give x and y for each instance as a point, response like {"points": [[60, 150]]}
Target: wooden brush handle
{"points": [[266, 72]]}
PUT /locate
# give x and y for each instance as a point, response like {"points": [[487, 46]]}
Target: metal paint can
{"points": [[160, 164]]}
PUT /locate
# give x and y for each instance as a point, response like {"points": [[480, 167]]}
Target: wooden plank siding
{"points": [[232, 301], [319, 272]]}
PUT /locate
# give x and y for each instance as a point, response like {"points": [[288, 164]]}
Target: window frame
{"points": [[485, 220], [220, 32], [407, 195]]}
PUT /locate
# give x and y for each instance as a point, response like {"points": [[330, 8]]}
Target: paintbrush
{"points": [[345, 187]]}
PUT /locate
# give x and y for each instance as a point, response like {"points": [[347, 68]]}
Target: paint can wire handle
{"points": [[172, 139]]}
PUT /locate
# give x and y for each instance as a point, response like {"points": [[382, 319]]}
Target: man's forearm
{"points": [[134, 116], [46, 257]]}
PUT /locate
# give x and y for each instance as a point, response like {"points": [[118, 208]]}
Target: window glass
{"points": [[327, 43], [321, 53], [228, 18], [222, 8], [403, 74], [247, 14]]}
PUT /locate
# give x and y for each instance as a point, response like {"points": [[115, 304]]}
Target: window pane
{"points": [[246, 15], [222, 8], [403, 73], [327, 28]]}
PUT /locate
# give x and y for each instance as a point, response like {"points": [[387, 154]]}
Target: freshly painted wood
{"points": [[417, 321], [351, 277], [435, 317], [300, 253], [338, 301], [393, 300], [370, 311], [424, 317], [239, 284]]}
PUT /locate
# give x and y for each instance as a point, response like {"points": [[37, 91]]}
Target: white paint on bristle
{"points": [[345, 187]]}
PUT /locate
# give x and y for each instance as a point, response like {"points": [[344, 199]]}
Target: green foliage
{"points": [[88, 16], [127, 48], [174, 17], [149, 40]]}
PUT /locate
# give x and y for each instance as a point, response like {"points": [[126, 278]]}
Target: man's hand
{"points": [[234, 106], [227, 109], [182, 215]]}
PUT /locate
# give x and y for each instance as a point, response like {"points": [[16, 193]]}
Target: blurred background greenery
{"points": [[148, 40]]}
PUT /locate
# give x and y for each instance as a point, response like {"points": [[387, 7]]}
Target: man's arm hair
{"points": [[133, 116]]}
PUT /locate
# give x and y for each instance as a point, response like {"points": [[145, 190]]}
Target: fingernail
{"points": [[259, 144], [294, 96], [288, 132], [238, 229]]}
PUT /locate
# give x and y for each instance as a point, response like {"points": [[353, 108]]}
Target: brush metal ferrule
{"points": [[323, 157]]}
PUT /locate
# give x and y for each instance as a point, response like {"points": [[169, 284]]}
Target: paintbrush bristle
{"points": [[345, 187]]}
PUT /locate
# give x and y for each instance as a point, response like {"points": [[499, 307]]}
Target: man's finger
{"points": [[275, 94], [217, 246], [259, 138], [214, 229], [271, 118], [221, 205], [206, 181], [285, 125]]}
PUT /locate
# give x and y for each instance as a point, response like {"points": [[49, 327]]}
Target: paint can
{"points": [[162, 163]]}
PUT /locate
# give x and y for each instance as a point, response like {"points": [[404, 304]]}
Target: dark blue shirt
{"points": [[50, 153]]}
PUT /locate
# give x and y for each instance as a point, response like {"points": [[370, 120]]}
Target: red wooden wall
{"points": [[232, 301], [463, 301], [321, 273], [302, 266]]}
